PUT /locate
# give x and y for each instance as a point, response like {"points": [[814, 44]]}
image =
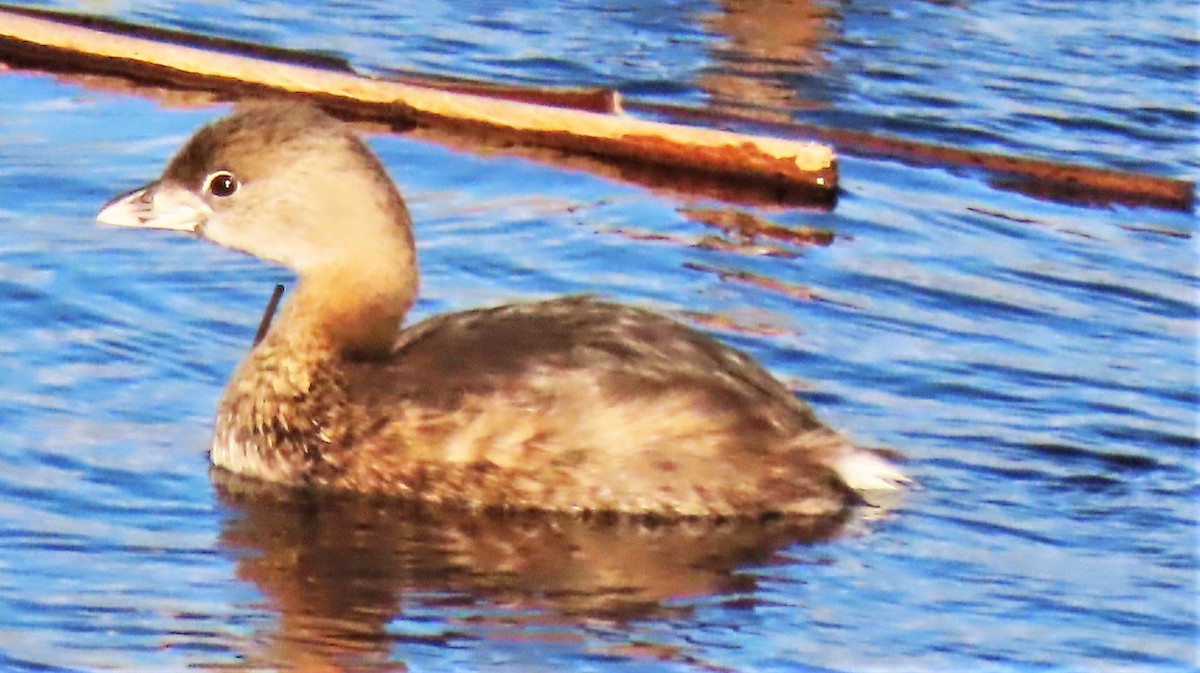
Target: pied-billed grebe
{"points": [[571, 404]]}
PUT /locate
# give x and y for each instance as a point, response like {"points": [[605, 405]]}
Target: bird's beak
{"points": [[158, 205]]}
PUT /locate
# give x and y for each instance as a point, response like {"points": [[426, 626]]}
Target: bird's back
{"points": [[584, 404]]}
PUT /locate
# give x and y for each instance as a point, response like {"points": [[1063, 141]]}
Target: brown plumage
{"points": [[571, 404]]}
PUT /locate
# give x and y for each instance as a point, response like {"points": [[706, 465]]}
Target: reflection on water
{"points": [[763, 48], [339, 570]]}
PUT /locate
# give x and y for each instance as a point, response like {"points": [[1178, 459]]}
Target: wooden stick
{"points": [[1037, 177], [591, 99], [1040, 178], [268, 314], [787, 163]]}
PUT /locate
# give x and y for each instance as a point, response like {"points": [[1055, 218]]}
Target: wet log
{"points": [[1050, 180], [45, 40], [1039, 178]]}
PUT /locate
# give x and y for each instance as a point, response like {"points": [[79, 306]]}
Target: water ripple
{"points": [[1034, 362]]}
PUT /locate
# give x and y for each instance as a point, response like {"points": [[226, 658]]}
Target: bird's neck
{"points": [[350, 311]]}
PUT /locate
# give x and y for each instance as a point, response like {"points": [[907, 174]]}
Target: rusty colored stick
{"points": [[1037, 177], [1041, 178], [26, 38]]}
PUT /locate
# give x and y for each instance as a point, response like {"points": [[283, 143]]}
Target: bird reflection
{"points": [[341, 571]]}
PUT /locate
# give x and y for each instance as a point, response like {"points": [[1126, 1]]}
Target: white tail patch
{"points": [[865, 470]]}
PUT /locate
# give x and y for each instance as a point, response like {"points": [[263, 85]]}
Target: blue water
{"points": [[1036, 362]]}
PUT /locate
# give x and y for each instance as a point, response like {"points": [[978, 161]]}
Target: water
{"points": [[1036, 362]]}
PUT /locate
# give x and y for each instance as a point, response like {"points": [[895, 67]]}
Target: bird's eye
{"points": [[221, 184]]}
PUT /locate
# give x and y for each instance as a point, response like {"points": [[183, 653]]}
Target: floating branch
{"points": [[1040, 178], [43, 39], [26, 44]]}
